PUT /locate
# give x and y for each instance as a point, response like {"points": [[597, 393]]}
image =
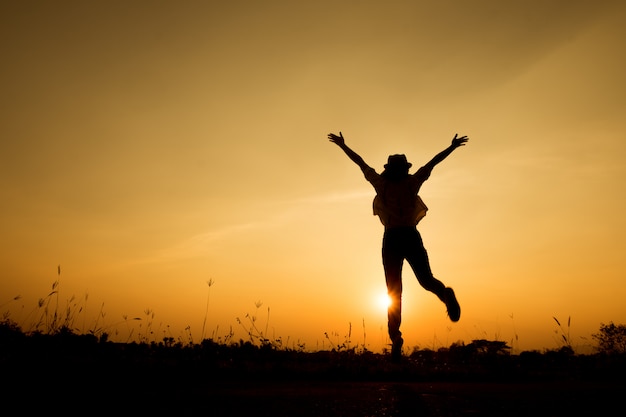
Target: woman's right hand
{"points": [[336, 139]]}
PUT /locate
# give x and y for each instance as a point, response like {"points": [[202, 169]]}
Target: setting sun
{"points": [[383, 301]]}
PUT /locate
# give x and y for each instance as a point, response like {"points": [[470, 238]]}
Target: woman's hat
{"points": [[397, 161]]}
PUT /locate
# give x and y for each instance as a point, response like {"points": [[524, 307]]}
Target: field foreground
{"points": [[79, 375], [405, 398]]}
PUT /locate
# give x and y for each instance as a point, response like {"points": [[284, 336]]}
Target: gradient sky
{"points": [[151, 146]]}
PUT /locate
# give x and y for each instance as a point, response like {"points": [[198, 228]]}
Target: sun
{"points": [[383, 301]]}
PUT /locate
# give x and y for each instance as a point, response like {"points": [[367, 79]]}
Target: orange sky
{"points": [[150, 146]]}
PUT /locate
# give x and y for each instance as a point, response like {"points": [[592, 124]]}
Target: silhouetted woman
{"points": [[400, 208]]}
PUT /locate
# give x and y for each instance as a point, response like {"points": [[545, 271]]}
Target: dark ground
{"points": [[80, 376], [304, 398], [366, 398]]}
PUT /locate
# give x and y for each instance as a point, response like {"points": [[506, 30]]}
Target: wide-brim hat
{"points": [[397, 161]]}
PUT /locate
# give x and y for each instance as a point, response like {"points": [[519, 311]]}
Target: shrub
{"points": [[611, 338]]}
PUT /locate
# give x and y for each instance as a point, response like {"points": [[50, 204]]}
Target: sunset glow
{"points": [[150, 147], [383, 301]]}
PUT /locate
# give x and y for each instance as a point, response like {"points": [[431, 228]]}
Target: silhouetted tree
{"points": [[611, 338]]}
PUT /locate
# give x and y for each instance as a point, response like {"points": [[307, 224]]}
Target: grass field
{"points": [[78, 374]]}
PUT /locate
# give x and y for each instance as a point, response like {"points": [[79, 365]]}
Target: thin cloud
{"points": [[335, 197], [200, 244]]}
